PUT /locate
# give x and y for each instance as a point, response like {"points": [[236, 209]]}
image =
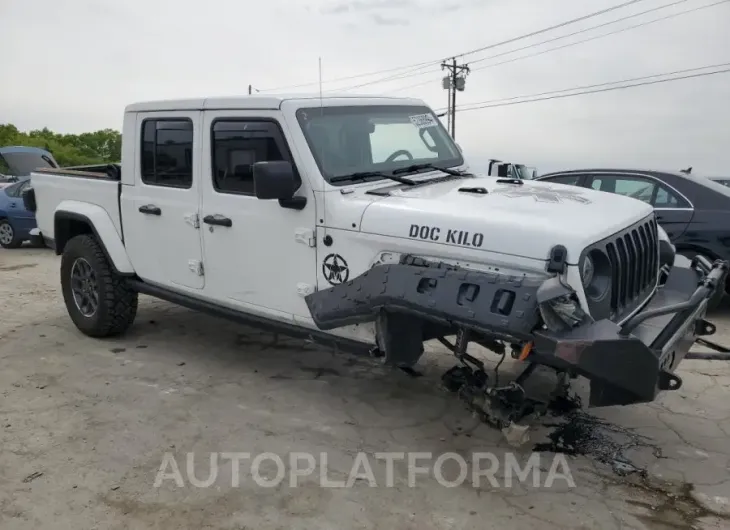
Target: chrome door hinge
{"points": [[306, 237], [193, 220], [196, 266]]}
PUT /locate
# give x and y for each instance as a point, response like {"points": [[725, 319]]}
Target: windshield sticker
{"points": [[552, 195], [423, 121], [446, 235]]}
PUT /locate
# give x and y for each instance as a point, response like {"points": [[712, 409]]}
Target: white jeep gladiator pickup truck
{"points": [[355, 221]]}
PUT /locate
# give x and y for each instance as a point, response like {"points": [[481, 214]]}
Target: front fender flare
{"points": [[101, 226]]}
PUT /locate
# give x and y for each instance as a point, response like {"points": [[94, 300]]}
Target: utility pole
{"points": [[455, 81]]}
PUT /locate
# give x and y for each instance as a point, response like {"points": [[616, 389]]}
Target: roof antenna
{"points": [[321, 103]]}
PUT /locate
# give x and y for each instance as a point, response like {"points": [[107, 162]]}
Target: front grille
{"points": [[634, 257]]}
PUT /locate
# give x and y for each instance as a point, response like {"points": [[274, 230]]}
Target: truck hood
{"points": [[484, 214]]}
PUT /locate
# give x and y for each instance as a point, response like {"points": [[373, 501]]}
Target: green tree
{"points": [[99, 147]]}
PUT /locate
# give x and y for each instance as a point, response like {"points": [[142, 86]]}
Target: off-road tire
{"points": [[117, 303], [16, 241]]}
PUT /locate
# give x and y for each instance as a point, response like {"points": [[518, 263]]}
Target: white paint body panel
{"points": [[265, 262]]}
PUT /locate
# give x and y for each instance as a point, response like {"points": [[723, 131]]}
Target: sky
{"points": [[72, 66]]}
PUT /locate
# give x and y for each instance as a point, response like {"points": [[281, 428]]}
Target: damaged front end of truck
{"points": [[628, 357]]}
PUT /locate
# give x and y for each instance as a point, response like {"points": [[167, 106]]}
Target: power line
{"points": [[595, 91], [561, 37], [417, 73], [470, 52], [415, 67], [545, 30], [583, 87], [542, 52], [615, 32], [402, 75]]}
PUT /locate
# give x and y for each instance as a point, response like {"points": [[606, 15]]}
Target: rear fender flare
{"points": [[100, 224]]}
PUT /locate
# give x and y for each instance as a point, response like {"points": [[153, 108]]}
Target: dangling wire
{"points": [[496, 370]]}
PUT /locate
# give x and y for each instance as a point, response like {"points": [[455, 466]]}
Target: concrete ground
{"points": [[85, 425]]}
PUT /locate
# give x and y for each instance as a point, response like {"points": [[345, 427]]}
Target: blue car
{"points": [[15, 221], [16, 163]]}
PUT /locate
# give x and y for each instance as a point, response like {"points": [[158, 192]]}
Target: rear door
{"points": [[673, 212], [160, 211]]}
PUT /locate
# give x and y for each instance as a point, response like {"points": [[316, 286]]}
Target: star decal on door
{"points": [[335, 269]]}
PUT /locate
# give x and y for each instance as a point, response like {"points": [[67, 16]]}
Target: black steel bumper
{"points": [[631, 362], [626, 363]]}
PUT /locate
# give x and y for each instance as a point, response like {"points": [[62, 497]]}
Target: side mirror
{"points": [[274, 180]]}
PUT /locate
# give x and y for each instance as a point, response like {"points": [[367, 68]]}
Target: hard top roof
{"points": [[260, 101]]}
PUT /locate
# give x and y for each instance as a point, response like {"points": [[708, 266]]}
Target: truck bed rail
{"points": [[102, 171]]}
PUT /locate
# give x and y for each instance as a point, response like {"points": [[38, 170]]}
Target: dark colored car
{"points": [[725, 181], [693, 210]]}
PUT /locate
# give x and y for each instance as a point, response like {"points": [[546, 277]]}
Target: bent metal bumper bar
{"points": [[632, 361], [626, 362]]}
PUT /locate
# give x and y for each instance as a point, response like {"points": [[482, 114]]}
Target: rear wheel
{"points": [[97, 299], [8, 236]]}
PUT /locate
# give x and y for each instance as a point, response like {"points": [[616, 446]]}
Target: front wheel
{"points": [[97, 298], [8, 236]]}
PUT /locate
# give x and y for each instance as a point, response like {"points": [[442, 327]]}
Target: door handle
{"points": [[150, 209], [217, 220]]}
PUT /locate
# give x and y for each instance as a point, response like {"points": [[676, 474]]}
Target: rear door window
{"points": [[665, 198], [635, 187]]}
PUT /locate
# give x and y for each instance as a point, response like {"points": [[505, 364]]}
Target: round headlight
{"points": [[595, 273], [587, 271]]}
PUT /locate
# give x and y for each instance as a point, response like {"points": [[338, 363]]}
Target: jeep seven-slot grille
{"points": [[634, 257]]}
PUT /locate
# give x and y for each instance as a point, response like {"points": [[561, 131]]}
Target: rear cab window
{"points": [[167, 152]]}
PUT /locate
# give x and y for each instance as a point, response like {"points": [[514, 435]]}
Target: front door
{"points": [[259, 255], [160, 212]]}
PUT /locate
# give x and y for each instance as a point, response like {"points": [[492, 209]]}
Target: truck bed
{"points": [[55, 186]]}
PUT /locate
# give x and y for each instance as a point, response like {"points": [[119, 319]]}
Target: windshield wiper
{"points": [[418, 167], [371, 174]]}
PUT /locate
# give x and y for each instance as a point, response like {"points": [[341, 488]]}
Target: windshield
{"points": [[21, 163], [376, 138]]}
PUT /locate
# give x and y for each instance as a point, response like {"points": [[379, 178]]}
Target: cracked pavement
{"points": [[84, 426]]}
